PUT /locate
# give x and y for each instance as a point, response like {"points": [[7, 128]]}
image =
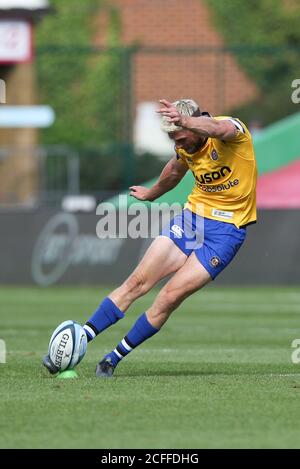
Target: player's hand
{"points": [[169, 110], [139, 192]]}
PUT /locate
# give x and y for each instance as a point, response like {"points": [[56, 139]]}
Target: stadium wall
{"points": [[46, 247]]}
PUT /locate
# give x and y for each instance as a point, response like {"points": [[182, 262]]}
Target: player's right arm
{"points": [[170, 176]]}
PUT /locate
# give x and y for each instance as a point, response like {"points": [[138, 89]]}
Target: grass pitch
{"points": [[218, 375]]}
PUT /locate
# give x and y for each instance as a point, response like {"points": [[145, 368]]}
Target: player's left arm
{"points": [[224, 130]]}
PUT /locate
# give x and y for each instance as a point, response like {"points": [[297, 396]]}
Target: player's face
{"points": [[187, 140]]}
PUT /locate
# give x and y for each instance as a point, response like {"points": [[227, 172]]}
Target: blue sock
{"points": [[106, 315], [141, 331]]}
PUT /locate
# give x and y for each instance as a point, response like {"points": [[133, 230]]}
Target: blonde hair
{"points": [[186, 107]]}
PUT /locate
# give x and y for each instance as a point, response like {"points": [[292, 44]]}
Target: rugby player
{"points": [[220, 154]]}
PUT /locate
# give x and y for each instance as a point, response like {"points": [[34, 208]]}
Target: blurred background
{"points": [[79, 87]]}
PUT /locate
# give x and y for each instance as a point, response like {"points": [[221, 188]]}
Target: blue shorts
{"points": [[215, 243]]}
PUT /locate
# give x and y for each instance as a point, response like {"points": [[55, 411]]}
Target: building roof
{"points": [[24, 4], [30, 9]]}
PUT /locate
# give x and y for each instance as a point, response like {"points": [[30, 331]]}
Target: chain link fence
{"points": [[95, 93]]}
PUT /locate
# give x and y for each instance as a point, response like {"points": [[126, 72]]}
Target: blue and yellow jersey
{"points": [[225, 178]]}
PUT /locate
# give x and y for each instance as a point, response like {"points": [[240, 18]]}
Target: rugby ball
{"points": [[67, 345]]}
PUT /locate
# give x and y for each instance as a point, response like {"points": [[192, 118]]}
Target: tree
{"points": [[265, 38]]}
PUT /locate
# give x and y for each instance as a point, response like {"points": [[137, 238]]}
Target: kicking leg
{"points": [[189, 278], [162, 258]]}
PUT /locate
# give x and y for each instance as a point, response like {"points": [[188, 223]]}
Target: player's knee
{"points": [[168, 300]]}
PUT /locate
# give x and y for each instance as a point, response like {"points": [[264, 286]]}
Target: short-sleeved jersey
{"points": [[225, 177]]}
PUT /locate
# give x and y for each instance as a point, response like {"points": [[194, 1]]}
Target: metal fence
{"points": [[95, 94], [54, 172]]}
